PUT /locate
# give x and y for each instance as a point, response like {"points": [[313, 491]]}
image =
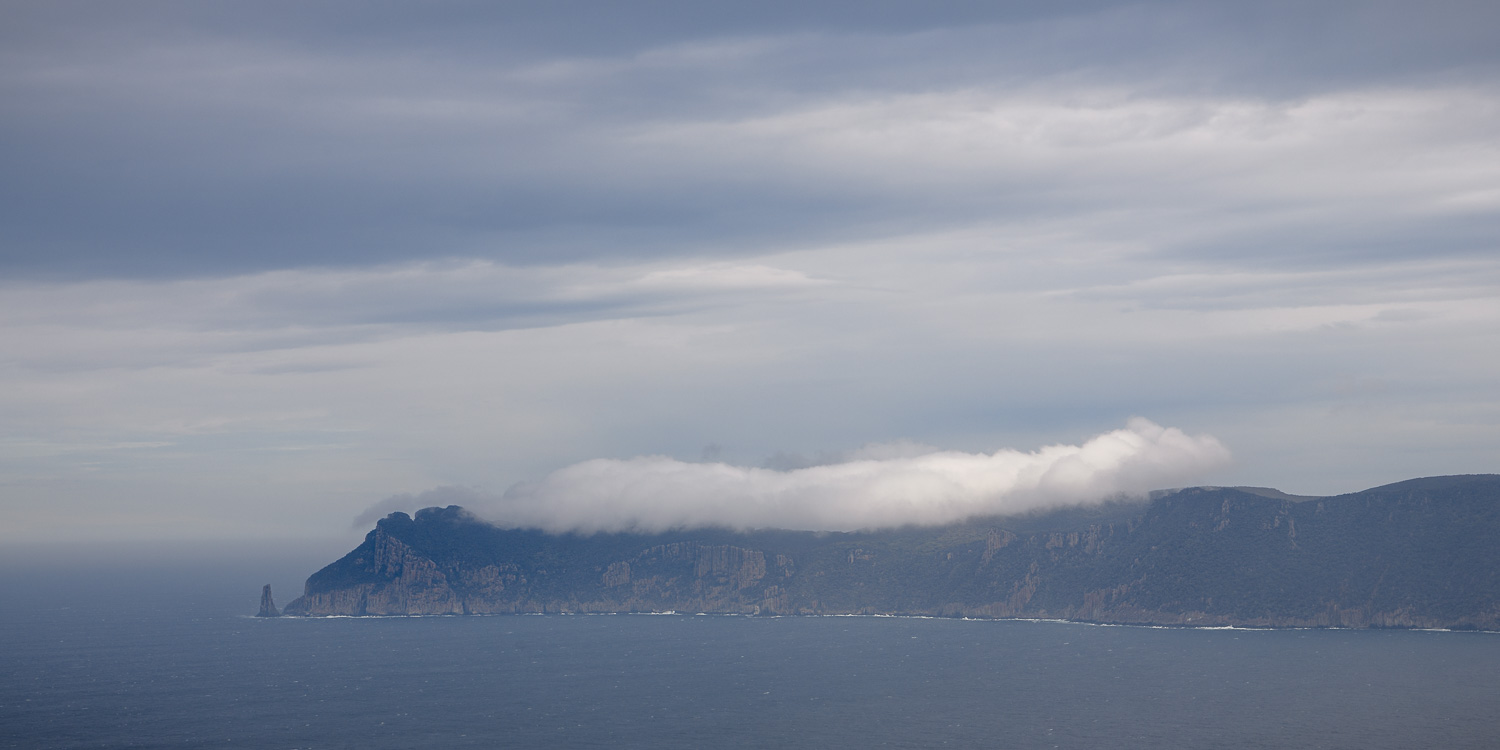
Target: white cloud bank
{"points": [[654, 493]]}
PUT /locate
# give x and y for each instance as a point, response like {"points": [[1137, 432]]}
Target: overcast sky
{"points": [[266, 266]]}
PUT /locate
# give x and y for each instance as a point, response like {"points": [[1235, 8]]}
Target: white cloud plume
{"points": [[652, 493]]}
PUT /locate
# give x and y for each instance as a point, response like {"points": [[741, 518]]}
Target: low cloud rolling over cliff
{"points": [[653, 493]]}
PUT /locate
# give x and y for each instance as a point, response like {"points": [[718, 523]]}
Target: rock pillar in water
{"points": [[267, 607]]}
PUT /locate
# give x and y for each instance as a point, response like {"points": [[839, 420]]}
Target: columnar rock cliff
{"points": [[267, 604], [1420, 553]]}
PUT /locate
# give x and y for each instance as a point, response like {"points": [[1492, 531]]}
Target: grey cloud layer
{"points": [[260, 263], [309, 392], [162, 145]]}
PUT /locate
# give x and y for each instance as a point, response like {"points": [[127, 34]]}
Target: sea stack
{"points": [[267, 606]]}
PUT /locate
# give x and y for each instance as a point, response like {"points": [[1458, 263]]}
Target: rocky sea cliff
{"points": [[1415, 554]]}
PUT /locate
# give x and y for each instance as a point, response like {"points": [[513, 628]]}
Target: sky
{"points": [[271, 270]]}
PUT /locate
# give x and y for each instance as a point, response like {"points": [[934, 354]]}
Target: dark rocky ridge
{"points": [[1415, 554]]}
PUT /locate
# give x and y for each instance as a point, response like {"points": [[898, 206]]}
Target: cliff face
{"points": [[404, 581], [1413, 554]]}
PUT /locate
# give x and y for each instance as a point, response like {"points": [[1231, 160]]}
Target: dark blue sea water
{"points": [[167, 658]]}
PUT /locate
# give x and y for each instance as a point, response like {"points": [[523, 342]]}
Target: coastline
{"points": [[1051, 620]]}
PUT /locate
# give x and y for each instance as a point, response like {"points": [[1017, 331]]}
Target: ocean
{"points": [[168, 656]]}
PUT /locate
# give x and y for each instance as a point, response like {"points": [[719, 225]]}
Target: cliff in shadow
{"points": [[1415, 554]]}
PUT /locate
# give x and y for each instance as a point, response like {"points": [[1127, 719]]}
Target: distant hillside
{"points": [[1420, 553]]}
